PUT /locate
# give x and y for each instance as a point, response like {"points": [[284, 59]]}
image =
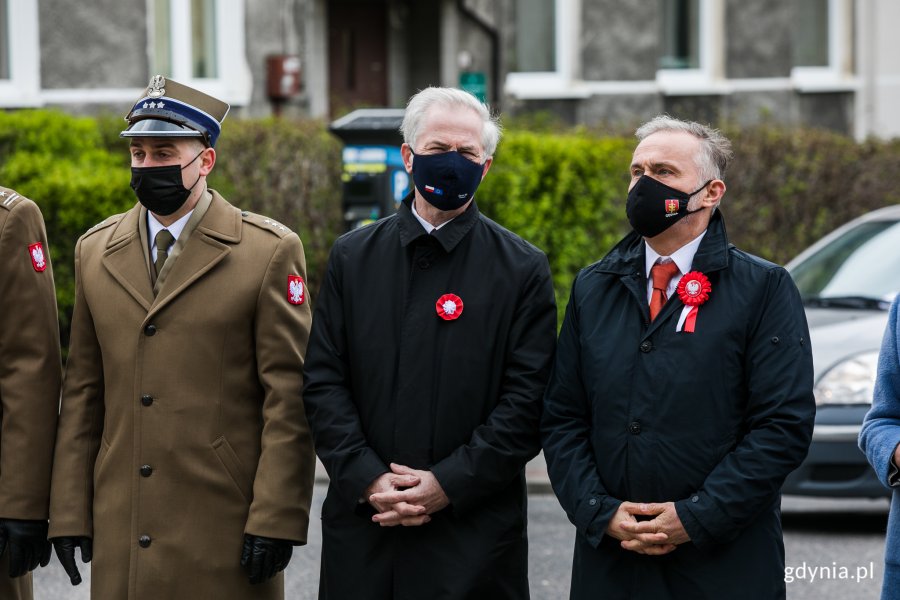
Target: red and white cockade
{"points": [[693, 289], [449, 307]]}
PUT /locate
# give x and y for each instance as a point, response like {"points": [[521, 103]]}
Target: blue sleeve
{"points": [[880, 432]]}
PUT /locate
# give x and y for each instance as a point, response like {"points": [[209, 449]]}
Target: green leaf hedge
{"points": [[562, 190]]}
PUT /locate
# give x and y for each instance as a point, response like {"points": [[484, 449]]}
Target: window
{"points": [[535, 36], [810, 43], [680, 34], [691, 46], [19, 55], [547, 33], [4, 40], [821, 44], [201, 43], [203, 36], [162, 36]]}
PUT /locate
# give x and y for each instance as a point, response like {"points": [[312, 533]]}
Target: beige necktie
{"points": [[163, 240]]}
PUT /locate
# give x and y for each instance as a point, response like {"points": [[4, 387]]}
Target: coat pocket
{"points": [[233, 467], [101, 456]]}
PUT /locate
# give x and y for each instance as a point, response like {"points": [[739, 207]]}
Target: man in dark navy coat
{"points": [[681, 394], [431, 346]]}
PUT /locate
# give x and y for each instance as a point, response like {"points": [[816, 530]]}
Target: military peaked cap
{"points": [[170, 109]]}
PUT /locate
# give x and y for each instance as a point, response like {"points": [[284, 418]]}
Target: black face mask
{"points": [[653, 207], [447, 180], [160, 189]]}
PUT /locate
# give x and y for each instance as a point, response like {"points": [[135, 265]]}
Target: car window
{"points": [[863, 262]]}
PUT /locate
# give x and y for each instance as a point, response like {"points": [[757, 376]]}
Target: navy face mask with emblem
{"points": [[447, 180], [161, 189], [652, 206]]}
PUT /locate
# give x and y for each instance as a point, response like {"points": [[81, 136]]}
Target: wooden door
{"points": [[357, 55]]}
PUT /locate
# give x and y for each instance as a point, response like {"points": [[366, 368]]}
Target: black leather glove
{"points": [[27, 543], [65, 552], [263, 556]]}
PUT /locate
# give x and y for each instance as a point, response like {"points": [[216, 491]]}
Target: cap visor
{"points": [[159, 128]]}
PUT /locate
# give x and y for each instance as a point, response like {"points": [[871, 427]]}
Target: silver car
{"points": [[847, 281]]}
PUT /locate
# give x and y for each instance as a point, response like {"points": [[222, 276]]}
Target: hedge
{"points": [[61, 163], [564, 191]]}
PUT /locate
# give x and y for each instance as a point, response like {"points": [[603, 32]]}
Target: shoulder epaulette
{"points": [[9, 198], [265, 223], [103, 224]]}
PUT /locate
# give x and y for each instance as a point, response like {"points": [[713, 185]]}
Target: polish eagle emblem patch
{"points": [[38, 259], [296, 292]]}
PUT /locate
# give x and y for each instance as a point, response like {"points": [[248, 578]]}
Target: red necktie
{"points": [[661, 274]]}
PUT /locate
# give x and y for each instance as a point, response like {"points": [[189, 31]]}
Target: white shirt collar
{"points": [[154, 227], [683, 257], [428, 226]]}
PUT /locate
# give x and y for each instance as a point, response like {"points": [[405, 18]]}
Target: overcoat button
{"points": [[144, 541], [646, 346], [150, 330], [423, 263], [634, 428], [695, 498], [146, 470], [146, 399], [592, 502]]}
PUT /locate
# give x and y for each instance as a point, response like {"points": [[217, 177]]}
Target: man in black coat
{"points": [[430, 349], [681, 394]]}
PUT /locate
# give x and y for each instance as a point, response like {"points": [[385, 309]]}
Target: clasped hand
{"points": [[405, 496], [658, 536]]}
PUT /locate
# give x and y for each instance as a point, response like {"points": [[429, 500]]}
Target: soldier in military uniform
{"points": [[30, 376], [183, 450]]}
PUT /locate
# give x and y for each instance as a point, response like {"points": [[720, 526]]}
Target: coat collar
{"points": [[208, 244], [627, 261], [627, 257], [448, 236], [221, 221]]}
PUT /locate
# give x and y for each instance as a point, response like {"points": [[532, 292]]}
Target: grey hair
{"points": [[447, 97], [715, 147]]}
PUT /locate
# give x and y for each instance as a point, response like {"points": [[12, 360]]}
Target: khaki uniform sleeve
{"points": [[80, 423], [30, 369], [282, 488]]}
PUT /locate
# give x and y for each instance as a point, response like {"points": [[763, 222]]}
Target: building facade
{"points": [[823, 63], [828, 63]]}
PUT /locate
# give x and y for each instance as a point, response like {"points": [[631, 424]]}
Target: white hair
{"points": [[447, 97], [715, 148]]}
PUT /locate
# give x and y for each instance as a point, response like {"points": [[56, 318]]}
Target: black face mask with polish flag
{"points": [[652, 206], [446, 180]]}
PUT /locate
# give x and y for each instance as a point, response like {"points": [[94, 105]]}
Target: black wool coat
{"points": [[389, 380], [712, 420]]}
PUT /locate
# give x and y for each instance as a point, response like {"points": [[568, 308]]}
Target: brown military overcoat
{"points": [[30, 371], [182, 418]]}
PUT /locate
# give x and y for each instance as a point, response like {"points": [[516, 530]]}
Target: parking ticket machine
{"points": [[374, 179]]}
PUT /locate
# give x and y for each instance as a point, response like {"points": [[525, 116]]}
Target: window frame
{"points": [[838, 72], [23, 88], [535, 84], [710, 37], [232, 83]]}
